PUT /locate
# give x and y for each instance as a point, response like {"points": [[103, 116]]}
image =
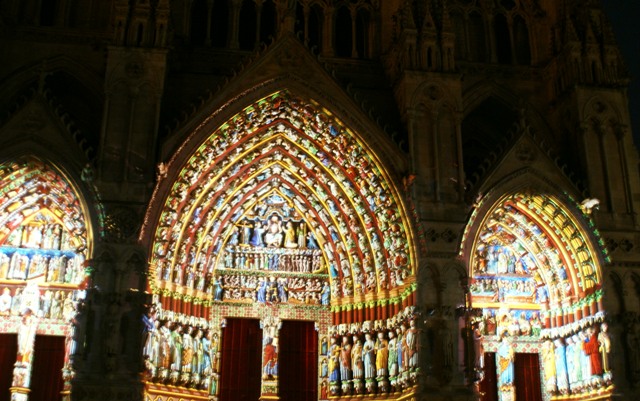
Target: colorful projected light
{"points": [[283, 187], [531, 252], [536, 277], [43, 235], [44, 242]]}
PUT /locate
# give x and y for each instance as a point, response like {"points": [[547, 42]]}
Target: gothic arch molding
{"points": [[536, 267], [557, 228], [46, 242], [527, 179], [455, 283], [308, 82], [530, 182], [270, 149], [63, 153], [430, 285], [68, 173], [279, 211]]}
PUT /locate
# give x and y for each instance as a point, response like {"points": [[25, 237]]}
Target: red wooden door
{"points": [[241, 354], [8, 355], [46, 377], [298, 361]]}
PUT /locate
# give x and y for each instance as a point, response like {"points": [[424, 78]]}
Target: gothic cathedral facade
{"points": [[317, 200]]}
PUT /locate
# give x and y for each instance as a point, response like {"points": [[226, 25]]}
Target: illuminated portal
{"points": [[536, 277], [44, 242], [282, 213]]}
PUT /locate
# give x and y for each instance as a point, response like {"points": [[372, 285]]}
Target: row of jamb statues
{"points": [[384, 362]]}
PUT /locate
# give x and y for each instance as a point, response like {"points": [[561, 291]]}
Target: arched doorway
{"points": [[283, 213], [536, 276], [45, 239]]}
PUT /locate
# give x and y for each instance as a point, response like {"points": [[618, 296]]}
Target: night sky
{"points": [[625, 18]]}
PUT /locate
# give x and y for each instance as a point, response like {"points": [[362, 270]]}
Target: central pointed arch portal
{"points": [[282, 213]]}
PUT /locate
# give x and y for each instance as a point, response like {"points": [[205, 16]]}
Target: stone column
{"points": [[327, 33], [207, 41], [354, 15], [234, 24], [109, 365], [270, 347], [24, 361], [212, 376]]}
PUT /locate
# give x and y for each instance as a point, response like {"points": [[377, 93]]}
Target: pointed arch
{"points": [[536, 267], [430, 290], [522, 43], [503, 45], [455, 278], [39, 198], [291, 159], [343, 32], [477, 37], [364, 28], [479, 93], [541, 239], [46, 241]]}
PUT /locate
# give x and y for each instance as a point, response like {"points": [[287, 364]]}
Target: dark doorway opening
{"points": [[8, 355], [489, 384], [240, 360], [298, 361], [527, 377], [48, 360]]}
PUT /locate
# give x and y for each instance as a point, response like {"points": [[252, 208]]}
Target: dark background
{"points": [[625, 19]]}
